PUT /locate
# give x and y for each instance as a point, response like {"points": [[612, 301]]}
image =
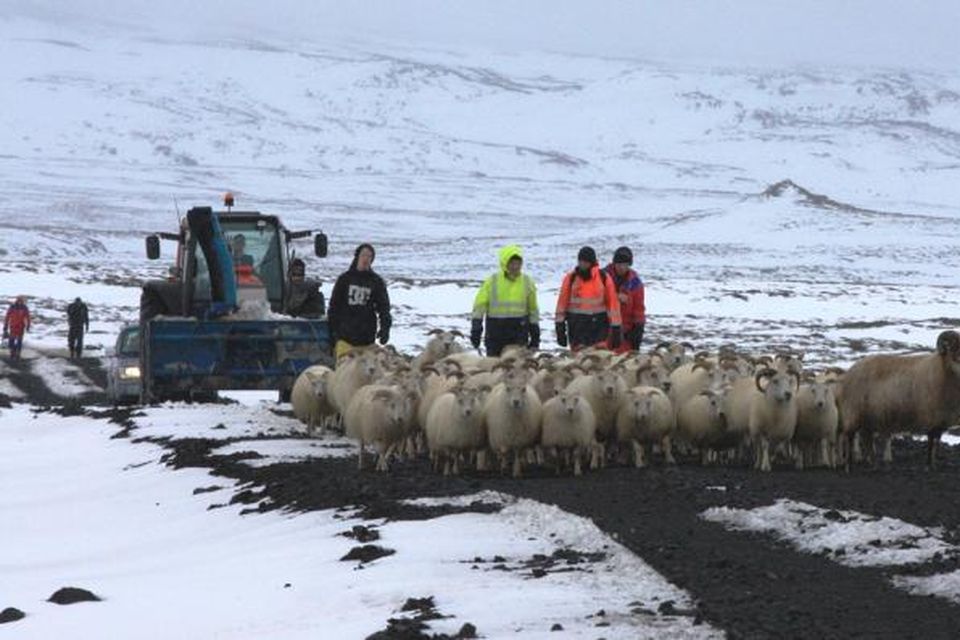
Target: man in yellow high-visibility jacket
{"points": [[508, 299]]}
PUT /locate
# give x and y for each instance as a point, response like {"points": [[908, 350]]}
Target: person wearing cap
{"points": [[78, 322], [15, 323], [630, 293], [358, 304], [304, 298], [588, 310], [508, 300]]}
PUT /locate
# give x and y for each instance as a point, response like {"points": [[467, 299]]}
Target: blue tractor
{"points": [[232, 314]]}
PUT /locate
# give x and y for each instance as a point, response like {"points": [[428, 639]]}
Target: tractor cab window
{"points": [[255, 250]]}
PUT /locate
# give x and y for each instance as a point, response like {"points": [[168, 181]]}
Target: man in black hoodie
{"points": [[358, 301]]}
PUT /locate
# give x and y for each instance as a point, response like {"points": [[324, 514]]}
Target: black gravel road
{"points": [[749, 585]]}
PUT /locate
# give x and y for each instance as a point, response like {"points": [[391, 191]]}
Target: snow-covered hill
{"points": [[811, 206]]}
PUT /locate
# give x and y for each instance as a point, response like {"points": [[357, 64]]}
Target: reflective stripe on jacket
{"points": [[596, 295], [502, 297]]}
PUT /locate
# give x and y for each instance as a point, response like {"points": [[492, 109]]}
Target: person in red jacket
{"points": [[15, 324], [588, 309], [629, 287]]}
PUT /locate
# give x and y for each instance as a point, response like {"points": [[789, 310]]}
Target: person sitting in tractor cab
{"points": [[238, 249], [305, 300]]}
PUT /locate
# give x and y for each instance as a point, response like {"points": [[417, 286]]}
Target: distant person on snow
{"points": [[15, 324], [508, 299], [358, 303], [588, 310], [78, 319], [630, 293]]}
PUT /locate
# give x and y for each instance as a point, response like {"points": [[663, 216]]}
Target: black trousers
{"points": [[502, 332], [75, 340], [587, 330]]}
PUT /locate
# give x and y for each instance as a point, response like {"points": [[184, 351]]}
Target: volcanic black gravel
{"points": [[747, 584]]}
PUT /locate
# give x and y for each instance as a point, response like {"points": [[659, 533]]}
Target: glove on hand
{"points": [[634, 337], [384, 335], [614, 337], [534, 342], [476, 332], [562, 334]]}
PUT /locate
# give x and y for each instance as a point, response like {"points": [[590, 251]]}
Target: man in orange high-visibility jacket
{"points": [[588, 310]]}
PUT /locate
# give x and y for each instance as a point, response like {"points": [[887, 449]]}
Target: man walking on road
{"points": [[79, 320]]}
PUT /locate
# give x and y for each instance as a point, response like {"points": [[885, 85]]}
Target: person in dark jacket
{"points": [[15, 324], [631, 294], [304, 300], [78, 319], [358, 304]]}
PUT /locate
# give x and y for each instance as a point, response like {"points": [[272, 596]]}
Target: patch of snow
{"points": [[851, 538]]}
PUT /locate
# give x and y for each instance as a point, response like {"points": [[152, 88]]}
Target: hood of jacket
{"points": [[508, 252]]}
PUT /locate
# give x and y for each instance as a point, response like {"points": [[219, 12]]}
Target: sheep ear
{"points": [[434, 332]]}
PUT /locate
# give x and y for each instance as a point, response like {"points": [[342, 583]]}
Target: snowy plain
{"points": [[767, 205]]}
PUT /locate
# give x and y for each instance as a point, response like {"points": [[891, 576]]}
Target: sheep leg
{"points": [[638, 460], [360, 457], [798, 453], [666, 446], [577, 471], [557, 462], [481, 460], [933, 444], [456, 464], [517, 464], [764, 454], [887, 449]]}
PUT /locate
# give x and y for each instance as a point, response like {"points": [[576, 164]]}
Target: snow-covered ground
{"points": [[813, 206], [105, 515]]}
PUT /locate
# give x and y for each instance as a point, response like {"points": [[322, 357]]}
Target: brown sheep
{"points": [[888, 394]]}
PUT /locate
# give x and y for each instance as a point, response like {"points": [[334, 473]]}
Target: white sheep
{"points": [[603, 390], [355, 370], [310, 397], [817, 422], [550, 380], [702, 422], [455, 427], [511, 415], [646, 416], [569, 428], [377, 415], [773, 412], [440, 345]]}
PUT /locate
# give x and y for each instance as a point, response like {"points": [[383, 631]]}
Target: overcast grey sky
{"points": [[753, 32]]}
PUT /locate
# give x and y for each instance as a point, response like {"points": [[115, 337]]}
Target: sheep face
{"points": [[608, 384], [822, 395], [570, 402], [780, 385], [948, 346], [516, 393], [654, 376], [469, 403], [319, 387]]}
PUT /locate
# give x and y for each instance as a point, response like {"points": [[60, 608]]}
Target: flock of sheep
{"points": [[590, 407]]}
